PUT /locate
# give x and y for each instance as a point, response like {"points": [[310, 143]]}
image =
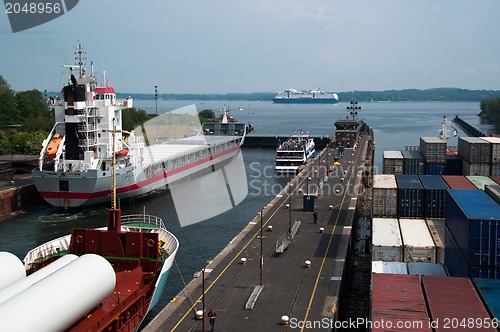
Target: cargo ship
{"points": [[74, 167], [293, 153], [317, 96], [104, 279]]}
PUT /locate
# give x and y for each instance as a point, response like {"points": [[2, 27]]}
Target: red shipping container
{"points": [[458, 182], [398, 303], [455, 305]]}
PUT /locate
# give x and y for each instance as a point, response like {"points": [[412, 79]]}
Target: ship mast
{"points": [[114, 213]]}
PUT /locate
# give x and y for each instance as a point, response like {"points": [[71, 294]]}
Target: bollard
{"points": [[307, 264], [330, 207], [284, 320], [321, 229], [287, 206], [199, 314], [269, 228], [243, 261]]}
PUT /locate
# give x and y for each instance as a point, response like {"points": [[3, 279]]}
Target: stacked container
{"points": [[476, 155], [453, 163], [386, 240], [398, 301], [417, 241], [426, 269], [410, 196], [489, 291], [413, 163], [454, 305], [480, 181], [393, 162], [458, 182], [473, 221], [493, 191], [434, 195], [389, 267], [434, 151], [385, 193], [436, 229], [495, 154]]}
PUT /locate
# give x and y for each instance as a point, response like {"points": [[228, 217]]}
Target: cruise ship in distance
{"points": [[76, 158], [318, 96]]}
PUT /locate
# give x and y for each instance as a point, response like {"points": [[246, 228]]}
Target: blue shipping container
{"points": [[434, 195], [410, 196], [435, 169], [473, 220], [457, 265], [453, 165], [489, 290]]}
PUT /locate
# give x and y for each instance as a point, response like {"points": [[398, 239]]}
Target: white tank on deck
{"points": [[24, 283], [62, 298], [11, 269]]}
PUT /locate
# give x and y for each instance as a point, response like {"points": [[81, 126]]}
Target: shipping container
{"points": [[435, 168], [389, 267], [473, 220], [476, 169], [434, 195], [454, 260], [426, 269], [410, 196], [398, 304], [393, 162], [433, 149], [480, 181], [489, 291], [418, 245], [493, 190], [495, 178], [386, 240], [454, 304], [413, 163], [458, 182], [453, 165], [494, 147], [495, 169], [474, 150], [385, 196], [459, 266], [436, 229]]}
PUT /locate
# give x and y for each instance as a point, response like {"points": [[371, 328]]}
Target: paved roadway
{"points": [[306, 295]]}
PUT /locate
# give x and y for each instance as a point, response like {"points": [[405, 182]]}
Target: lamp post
{"points": [[353, 108], [156, 99], [261, 247]]}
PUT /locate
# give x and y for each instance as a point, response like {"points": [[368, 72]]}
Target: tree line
{"points": [[490, 110]]}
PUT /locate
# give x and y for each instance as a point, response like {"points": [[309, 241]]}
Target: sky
{"points": [[224, 46]]}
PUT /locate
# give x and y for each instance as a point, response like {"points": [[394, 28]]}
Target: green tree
{"points": [[31, 104], [132, 117], [4, 86], [8, 111]]}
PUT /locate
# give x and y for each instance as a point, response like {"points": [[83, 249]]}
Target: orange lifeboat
{"points": [[54, 145], [121, 153]]}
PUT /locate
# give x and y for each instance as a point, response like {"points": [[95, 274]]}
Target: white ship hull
{"points": [[92, 186]]}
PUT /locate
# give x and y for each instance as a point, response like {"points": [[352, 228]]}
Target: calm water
{"points": [[395, 125]]}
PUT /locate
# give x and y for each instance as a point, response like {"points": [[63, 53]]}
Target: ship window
{"points": [[63, 185]]}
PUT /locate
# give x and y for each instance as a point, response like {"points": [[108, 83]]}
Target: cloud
{"points": [[489, 67]]}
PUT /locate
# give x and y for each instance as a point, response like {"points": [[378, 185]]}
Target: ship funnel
{"points": [[114, 220]]}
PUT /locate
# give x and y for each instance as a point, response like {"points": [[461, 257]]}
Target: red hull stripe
{"points": [[135, 186]]}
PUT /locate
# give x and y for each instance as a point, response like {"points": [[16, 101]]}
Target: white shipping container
{"points": [[436, 229], [385, 196], [386, 240], [417, 241], [433, 149], [495, 148], [474, 150], [389, 267], [393, 162], [476, 169]]}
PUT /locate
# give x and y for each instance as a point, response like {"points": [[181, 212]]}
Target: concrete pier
{"points": [[302, 285]]}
